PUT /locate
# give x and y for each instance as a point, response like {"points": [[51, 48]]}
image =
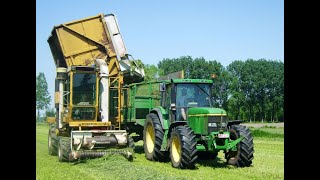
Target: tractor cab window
{"points": [[84, 89], [191, 95]]}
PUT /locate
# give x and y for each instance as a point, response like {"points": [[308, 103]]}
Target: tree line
{"points": [[251, 90]]}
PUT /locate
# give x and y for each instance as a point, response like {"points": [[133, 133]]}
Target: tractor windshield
{"points": [[193, 95]]}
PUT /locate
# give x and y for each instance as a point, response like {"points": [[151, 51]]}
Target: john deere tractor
{"points": [[176, 119]]}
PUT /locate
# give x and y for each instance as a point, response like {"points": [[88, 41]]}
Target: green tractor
{"points": [[181, 123]]}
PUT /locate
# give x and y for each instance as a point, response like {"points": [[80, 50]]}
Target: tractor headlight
{"points": [[212, 124]]}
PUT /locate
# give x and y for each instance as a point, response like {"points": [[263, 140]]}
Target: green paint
{"points": [[206, 110], [199, 124], [201, 147], [192, 81], [165, 141], [233, 144]]}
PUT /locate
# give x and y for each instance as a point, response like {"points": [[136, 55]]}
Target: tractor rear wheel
{"points": [[183, 151], [52, 143], [152, 138], [64, 149], [244, 155]]}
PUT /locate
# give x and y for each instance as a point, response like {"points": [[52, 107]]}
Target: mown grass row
{"points": [[268, 163]]}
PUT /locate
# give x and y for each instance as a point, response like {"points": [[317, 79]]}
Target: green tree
{"points": [[42, 94], [50, 112], [257, 89], [151, 72]]}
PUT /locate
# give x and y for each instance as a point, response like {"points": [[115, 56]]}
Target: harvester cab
{"points": [[91, 64]]}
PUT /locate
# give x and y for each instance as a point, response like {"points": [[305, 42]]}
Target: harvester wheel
{"points": [[52, 143], [244, 155], [183, 151], [64, 149], [152, 138]]}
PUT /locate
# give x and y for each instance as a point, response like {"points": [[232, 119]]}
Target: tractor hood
{"points": [[206, 111]]}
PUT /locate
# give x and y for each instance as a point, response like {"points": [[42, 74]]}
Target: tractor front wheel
{"points": [[244, 155], [183, 150]]}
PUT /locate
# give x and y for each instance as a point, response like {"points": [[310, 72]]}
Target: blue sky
{"points": [[152, 30]]}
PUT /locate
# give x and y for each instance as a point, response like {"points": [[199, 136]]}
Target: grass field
{"points": [[268, 163]]}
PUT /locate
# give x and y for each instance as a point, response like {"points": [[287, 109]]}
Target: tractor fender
{"points": [[233, 122], [159, 112], [175, 124]]}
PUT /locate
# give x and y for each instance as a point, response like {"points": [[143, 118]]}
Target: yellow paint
{"points": [[150, 138], [56, 97], [176, 148], [84, 40], [88, 124], [51, 120]]}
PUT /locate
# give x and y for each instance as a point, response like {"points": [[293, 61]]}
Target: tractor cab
{"points": [[185, 94]]}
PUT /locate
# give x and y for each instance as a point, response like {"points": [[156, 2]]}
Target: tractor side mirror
{"points": [[173, 106], [162, 87]]}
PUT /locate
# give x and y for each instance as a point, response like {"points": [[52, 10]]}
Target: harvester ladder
{"points": [[116, 83]]}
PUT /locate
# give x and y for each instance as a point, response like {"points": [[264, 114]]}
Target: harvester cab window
{"points": [[84, 89]]}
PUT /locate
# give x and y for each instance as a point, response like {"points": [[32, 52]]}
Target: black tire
{"points": [[52, 143], [244, 155], [64, 149], [152, 138], [183, 151], [131, 143]]}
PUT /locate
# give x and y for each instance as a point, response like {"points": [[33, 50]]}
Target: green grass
{"points": [[268, 163], [266, 131]]}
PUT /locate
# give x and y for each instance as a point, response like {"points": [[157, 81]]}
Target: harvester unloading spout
{"points": [[128, 67]]}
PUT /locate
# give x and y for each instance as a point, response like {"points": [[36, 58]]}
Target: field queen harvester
{"points": [[92, 65]]}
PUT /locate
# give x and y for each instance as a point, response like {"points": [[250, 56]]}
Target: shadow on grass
{"points": [[214, 163], [202, 160], [139, 149]]}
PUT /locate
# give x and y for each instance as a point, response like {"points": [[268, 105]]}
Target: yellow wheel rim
{"points": [[176, 149], [150, 138]]}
